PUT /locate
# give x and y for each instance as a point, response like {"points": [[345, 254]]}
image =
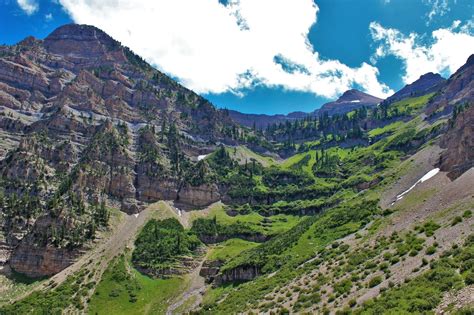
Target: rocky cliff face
{"points": [[35, 257], [244, 273], [459, 89], [459, 144], [84, 121]]}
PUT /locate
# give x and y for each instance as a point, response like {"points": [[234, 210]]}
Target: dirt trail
{"points": [[196, 289]]}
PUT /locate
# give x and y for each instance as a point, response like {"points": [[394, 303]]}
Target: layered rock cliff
{"points": [[85, 122]]}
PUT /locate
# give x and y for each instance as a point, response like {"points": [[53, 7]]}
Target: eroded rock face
{"points": [[459, 143], [458, 89], [85, 121], [38, 262], [199, 196], [243, 273], [37, 258], [210, 269]]}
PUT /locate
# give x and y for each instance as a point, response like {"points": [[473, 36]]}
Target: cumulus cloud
{"points": [[445, 51], [214, 48], [28, 6]]}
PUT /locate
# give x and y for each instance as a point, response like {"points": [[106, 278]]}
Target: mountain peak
{"points": [[84, 41], [350, 100], [78, 31], [470, 60], [356, 95]]}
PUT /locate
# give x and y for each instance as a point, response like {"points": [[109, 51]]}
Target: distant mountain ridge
{"points": [[348, 101], [427, 83]]}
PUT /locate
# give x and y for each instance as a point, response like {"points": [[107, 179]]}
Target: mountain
{"points": [[86, 123], [123, 192], [261, 121], [458, 89], [349, 100], [427, 83]]}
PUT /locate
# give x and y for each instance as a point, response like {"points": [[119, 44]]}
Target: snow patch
{"points": [[425, 177], [136, 215], [202, 157], [355, 101]]}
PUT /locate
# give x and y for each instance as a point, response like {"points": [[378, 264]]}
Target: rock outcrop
{"points": [[36, 257], [458, 142], [242, 273]]}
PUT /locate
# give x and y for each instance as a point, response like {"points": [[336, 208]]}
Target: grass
{"points": [[242, 154], [121, 284], [411, 105], [386, 129], [229, 249], [15, 285], [297, 160], [266, 225]]}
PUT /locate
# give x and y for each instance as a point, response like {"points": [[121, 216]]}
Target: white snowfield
{"points": [[202, 157], [425, 177], [355, 101]]}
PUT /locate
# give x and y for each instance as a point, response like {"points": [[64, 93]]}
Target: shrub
{"points": [[352, 303], [456, 220], [375, 281], [431, 250], [469, 278]]}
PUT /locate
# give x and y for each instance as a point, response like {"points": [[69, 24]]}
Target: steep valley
{"points": [[122, 192]]}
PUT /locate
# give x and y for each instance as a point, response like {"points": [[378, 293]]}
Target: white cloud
{"points": [[28, 6], [48, 17], [438, 8], [447, 50], [216, 48]]}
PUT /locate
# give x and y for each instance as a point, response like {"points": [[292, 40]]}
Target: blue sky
{"points": [[278, 56]]}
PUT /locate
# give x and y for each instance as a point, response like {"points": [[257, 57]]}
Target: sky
{"points": [[270, 56]]}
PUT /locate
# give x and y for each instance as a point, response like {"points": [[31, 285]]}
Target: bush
{"points": [[352, 303], [467, 214], [375, 281], [456, 220], [430, 250], [469, 278]]}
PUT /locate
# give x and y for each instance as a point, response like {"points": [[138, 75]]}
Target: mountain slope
{"points": [[366, 212], [427, 83], [86, 125]]}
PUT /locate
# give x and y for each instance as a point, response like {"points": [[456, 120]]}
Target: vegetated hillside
{"points": [[370, 212]]}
